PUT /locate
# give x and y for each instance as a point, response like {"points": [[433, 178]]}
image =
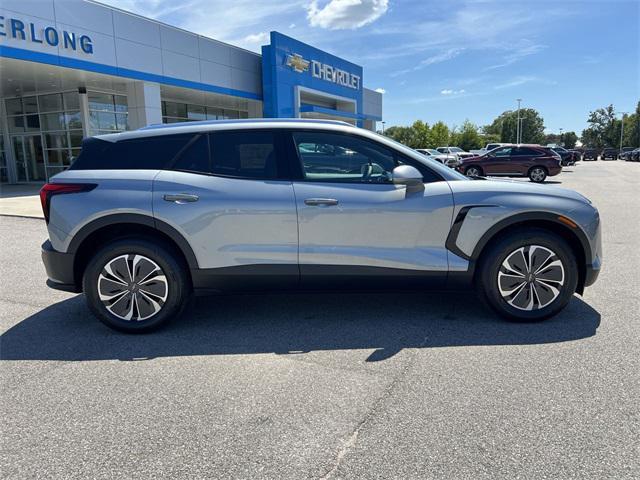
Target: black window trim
{"points": [[297, 168]]}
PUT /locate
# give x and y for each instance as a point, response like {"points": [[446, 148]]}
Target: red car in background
{"points": [[531, 161]]}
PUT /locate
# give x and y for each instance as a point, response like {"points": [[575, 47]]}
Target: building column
{"points": [[144, 104], [12, 175], [83, 100]]}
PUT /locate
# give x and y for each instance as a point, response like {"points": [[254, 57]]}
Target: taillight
{"points": [[51, 189]]}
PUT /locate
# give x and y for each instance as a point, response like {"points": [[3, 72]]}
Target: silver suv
{"points": [[144, 219]]}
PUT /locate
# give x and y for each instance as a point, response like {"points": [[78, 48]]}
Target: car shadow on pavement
{"points": [[291, 324]]}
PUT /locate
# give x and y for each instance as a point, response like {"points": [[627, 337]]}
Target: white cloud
{"points": [[438, 58], [224, 20], [449, 91], [256, 38], [522, 80], [345, 14], [381, 90]]}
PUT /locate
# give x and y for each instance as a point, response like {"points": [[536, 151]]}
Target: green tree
{"points": [[569, 139], [421, 134], [603, 129], [400, 134], [632, 129], [506, 123], [439, 135], [468, 138]]}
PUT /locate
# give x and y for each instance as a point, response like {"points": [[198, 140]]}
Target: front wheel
{"points": [[135, 285], [537, 174], [528, 275]]}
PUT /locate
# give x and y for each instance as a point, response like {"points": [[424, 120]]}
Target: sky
{"points": [[449, 60]]}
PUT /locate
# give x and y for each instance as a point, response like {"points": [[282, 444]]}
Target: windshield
{"points": [[456, 149], [431, 151]]}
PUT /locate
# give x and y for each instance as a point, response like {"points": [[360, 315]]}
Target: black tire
{"points": [[167, 289], [491, 271], [537, 174], [472, 168]]}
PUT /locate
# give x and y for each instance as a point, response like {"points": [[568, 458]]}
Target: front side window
{"points": [[333, 157], [246, 154]]}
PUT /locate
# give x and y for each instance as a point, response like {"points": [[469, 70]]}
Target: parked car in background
{"points": [[635, 155], [531, 161], [579, 153], [590, 154], [568, 158], [144, 219], [488, 147], [457, 151], [448, 160], [609, 153], [625, 153]]}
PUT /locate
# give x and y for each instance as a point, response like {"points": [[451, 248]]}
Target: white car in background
{"points": [[488, 147], [457, 151], [449, 160]]}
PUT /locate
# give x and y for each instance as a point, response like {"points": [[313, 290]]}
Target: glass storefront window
{"points": [[101, 102], [51, 103], [30, 104], [230, 108], [14, 106], [46, 130], [107, 113], [71, 100], [53, 121], [196, 112]]}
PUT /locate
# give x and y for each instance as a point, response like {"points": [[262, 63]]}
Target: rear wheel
{"points": [[537, 174], [528, 275], [135, 285], [473, 171]]}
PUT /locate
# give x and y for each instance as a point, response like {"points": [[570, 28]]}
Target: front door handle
{"points": [[181, 198], [321, 202]]}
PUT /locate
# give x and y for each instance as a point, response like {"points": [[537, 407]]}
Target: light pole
{"points": [[383, 122], [561, 142], [521, 129], [518, 124]]}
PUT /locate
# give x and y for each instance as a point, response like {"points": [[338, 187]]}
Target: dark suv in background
{"points": [[609, 153], [531, 161]]}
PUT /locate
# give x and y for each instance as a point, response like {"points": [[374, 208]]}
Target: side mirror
{"points": [[409, 176]]}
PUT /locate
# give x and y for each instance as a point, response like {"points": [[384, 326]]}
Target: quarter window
{"points": [[148, 153], [330, 157]]}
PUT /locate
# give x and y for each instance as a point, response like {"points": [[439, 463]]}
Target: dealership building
{"points": [[71, 69]]}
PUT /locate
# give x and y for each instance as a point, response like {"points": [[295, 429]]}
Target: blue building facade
{"points": [[75, 68]]}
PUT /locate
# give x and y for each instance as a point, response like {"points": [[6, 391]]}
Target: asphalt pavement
{"points": [[293, 386]]}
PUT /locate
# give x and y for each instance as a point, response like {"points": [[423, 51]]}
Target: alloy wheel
{"points": [[538, 175], [531, 277], [133, 287], [473, 172]]}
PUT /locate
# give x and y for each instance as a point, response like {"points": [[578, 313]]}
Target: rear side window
{"points": [[148, 153], [246, 154], [194, 157]]}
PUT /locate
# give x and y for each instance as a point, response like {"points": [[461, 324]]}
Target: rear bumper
{"points": [[59, 268]]}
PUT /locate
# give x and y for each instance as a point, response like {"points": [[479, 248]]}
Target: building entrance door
{"points": [[29, 155]]}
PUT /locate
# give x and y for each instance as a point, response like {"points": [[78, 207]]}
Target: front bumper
{"points": [[59, 268]]}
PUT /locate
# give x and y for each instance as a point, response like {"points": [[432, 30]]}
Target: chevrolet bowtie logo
{"points": [[297, 63]]}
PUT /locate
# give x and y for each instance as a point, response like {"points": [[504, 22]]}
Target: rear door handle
{"points": [[181, 198], [321, 202]]}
